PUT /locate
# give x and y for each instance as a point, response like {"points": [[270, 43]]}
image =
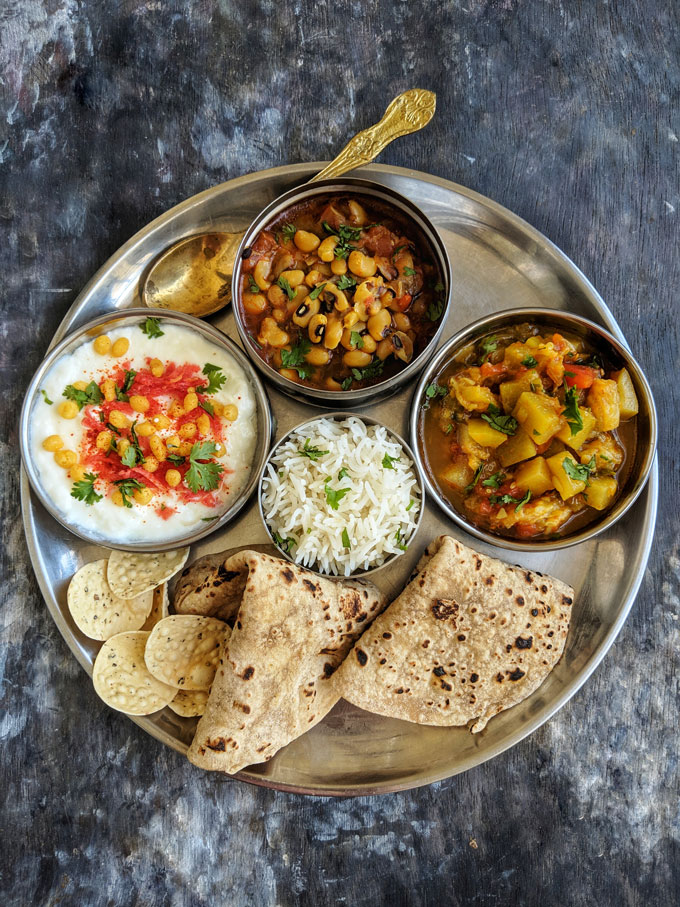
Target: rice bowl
{"points": [[341, 495]]}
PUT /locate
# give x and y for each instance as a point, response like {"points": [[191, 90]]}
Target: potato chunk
{"points": [[538, 416], [457, 474], [601, 491], [475, 397], [510, 390], [603, 399], [566, 486], [516, 448], [534, 476], [484, 434], [628, 401], [607, 452], [577, 441]]}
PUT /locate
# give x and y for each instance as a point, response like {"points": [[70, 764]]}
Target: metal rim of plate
{"points": [[497, 258]]}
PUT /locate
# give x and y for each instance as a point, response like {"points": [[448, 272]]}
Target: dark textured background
{"points": [[566, 113]]}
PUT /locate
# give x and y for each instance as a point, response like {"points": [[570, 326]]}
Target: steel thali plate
{"points": [[498, 262]]}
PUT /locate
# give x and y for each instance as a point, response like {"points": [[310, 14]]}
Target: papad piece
{"points": [[130, 574], [121, 678], [160, 607], [468, 637], [207, 587], [189, 703], [183, 650], [97, 611], [292, 631]]}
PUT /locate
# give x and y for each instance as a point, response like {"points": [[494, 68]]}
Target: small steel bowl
{"points": [[646, 422], [361, 189], [86, 334], [340, 417]]}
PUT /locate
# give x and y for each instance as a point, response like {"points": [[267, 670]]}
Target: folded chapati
{"points": [[468, 637], [273, 682]]}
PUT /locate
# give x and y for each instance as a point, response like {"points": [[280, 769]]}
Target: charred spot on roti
{"points": [[310, 586], [387, 635], [499, 677], [426, 643], [248, 673], [566, 600], [445, 609], [520, 600], [534, 612], [362, 657], [461, 637], [383, 661], [288, 574], [446, 686], [439, 671], [517, 674], [474, 678], [489, 580], [219, 745], [524, 643], [478, 562], [328, 670]]}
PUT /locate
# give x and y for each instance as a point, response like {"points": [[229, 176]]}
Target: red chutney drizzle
{"points": [[161, 392]]}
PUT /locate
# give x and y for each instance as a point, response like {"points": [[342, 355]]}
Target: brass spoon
{"points": [[194, 275]]}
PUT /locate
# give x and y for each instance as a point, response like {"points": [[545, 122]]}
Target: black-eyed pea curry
{"points": [[339, 293], [528, 432]]}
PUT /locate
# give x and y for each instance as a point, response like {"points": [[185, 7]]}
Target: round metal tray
{"points": [[498, 261]]}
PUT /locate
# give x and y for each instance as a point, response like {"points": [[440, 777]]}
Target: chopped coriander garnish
{"points": [[91, 394], [494, 481], [208, 519], [448, 429], [529, 361], [343, 472], [435, 309], [46, 398], [356, 340], [289, 230], [129, 458], [334, 496], [295, 358], [316, 291], [176, 460], [372, 370], [286, 287], [475, 479], [346, 282], [571, 411], [312, 453], [216, 379], [134, 441], [346, 384], [202, 476], [410, 505], [151, 327], [346, 236], [579, 472], [388, 461], [439, 287], [432, 391], [284, 544], [127, 487], [129, 378], [253, 287], [399, 536], [495, 418], [83, 490], [488, 345], [508, 499], [409, 272], [345, 539], [525, 500], [207, 406]]}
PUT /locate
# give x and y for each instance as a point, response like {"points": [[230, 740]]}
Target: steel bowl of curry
{"points": [[341, 291], [535, 429]]}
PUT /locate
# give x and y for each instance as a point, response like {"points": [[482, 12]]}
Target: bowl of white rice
{"points": [[341, 495]]}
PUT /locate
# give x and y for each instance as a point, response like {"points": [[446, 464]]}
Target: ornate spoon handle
{"points": [[408, 112]]}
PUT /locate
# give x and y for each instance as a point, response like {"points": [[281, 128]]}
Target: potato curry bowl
{"points": [[341, 289], [537, 429]]}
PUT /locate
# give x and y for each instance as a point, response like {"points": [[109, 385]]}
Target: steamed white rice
{"points": [[379, 512]]}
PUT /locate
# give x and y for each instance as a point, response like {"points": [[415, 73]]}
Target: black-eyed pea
{"points": [[361, 265], [384, 349], [326, 250], [150, 463], [356, 359], [102, 344], [120, 347], [317, 328], [139, 403], [289, 373], [68, 409], [142, 495], [158, 449], [271, 334], [157, 368], [276, 295], [283, 260], [52, 443], [313, 277], [379, 323], [357, 215], [108, 389], [299, 295], [402, 322], [145, 429], [118, 419], [65, 458], [305, 241], [318, 356], [294, 277], [280, 316], [349, 319], [369, 344], [403, 346], [364, 292], [230, 412], [306, 311], [261, 272], [103, 440], [173, 477], [333, 333], [77, 473], [202, 423], [324, 270], [339, 266], [332, 385], [254, 303], [188, 430]]}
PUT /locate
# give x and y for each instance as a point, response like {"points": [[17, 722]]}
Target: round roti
{"points": [[189, 703], [97, 611], [184, 649], [130, 574], [122, 680]]}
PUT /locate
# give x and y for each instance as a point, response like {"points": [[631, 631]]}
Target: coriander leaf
{"points": [[84, 489], [372, 370], [525, 500], [488, 345], [346, 282], [579, 472], [289, 230], [151, 327], [295, 358], [334, 496], [127, 487], [284, 544], [252, 286], [207, 406], [316, 291], [343, 472], [346, 384], [312, 453], [494, 481], [209, 519], [121, 397], [135, 443], [571, 411], [448, 429], [439, 287], [399, 536], [129, 378], [176, 460], [345, 539], [529, 361], [91, 394], [506, 424], [475, 479], [508, 499], [46, 398], [388, 461], [286, 287], [356, 340], [435, 390], [216, 379], [129, 458], [410, 504], [435, 309], [202, 476], [409, 272]]}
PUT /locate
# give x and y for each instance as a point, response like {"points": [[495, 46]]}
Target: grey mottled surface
{"points": [[565, 112]]}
